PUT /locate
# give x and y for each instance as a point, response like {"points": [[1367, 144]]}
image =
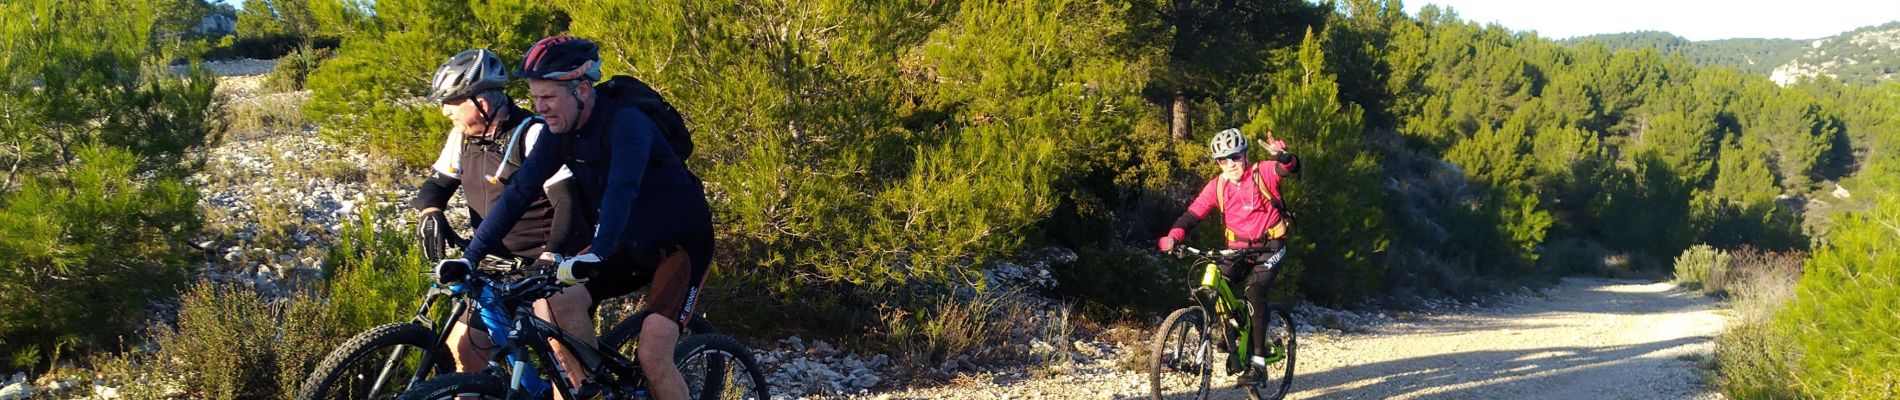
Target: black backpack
{"points": [[627, 90]]}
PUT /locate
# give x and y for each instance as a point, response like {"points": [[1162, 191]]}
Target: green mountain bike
{"points": [[1214, 333]]}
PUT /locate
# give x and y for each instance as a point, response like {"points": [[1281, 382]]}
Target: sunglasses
{"points": [[1231, 158]]}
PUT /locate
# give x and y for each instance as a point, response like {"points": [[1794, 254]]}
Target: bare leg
{"points": [[658, 337], [470, 348], [568, 310]]}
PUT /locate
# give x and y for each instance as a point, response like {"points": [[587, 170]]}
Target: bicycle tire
{"points": [[337, 367], [1281, 330], [1169, 365], [719, 355], [459, 386]]}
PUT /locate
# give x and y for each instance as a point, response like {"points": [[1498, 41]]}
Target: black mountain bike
{"points": [[387, 360], [715, 366]]}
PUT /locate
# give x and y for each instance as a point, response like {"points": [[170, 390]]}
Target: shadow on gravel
{"points": [[1556, 372], [1516, 374], [1578, 296]]}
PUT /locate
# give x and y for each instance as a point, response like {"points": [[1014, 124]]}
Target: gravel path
{"points": [[1585, 338]]}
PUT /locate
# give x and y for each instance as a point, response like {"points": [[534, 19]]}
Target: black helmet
{"points": [[562, 58], [466, 74]]}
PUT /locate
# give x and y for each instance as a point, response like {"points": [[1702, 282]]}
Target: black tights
{"points": [[1259, 277]]}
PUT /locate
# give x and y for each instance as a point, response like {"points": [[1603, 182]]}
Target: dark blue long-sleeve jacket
{"points": [[629, 183]]}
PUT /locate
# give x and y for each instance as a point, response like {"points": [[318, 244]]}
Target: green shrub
{"points": [[1698, 266], [1119, 281], [85, 252], [376, 276], [368, 96], [985, 326], [294, 68], [1571, 256], [1843, 317], [1757, 361], [232, 343]]}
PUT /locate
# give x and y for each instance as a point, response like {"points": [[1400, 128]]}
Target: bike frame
{"points": [[1219, 303], [533, 332], [523, 328], [460, 306]]}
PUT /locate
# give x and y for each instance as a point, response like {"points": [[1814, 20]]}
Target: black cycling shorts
{"points": [[677, 276]]}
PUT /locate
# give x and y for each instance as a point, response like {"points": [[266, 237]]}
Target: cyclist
{"points": [[653, 224], [1248, 197], [488, 140]]}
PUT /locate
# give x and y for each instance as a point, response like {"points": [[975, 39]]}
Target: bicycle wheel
{"points": [[1277, 377], [1182, 354], [718, 367], [627, 331], [376, 364], [625, 338], [459, 387]]}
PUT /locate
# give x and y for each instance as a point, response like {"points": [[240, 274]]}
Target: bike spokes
{"points": [[1183, 353]]}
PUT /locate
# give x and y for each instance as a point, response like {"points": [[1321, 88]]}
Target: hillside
{"points": [[1862, 56]]}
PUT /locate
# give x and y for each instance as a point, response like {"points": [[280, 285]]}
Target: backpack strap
{"points": [[1278, 230], [515, 141]]}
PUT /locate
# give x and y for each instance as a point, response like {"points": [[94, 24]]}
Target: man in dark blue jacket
{"points": [[652, 222]]}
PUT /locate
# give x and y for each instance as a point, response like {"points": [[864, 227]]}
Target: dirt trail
{"points": [[1584, 338]]}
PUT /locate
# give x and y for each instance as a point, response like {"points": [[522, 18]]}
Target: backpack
{"points": [[628, 90], [1278, 230]]}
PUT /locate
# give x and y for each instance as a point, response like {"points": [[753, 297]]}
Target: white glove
{"points": [[577, 269]]}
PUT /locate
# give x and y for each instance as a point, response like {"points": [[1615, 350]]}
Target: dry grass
{"points": [[265, 115], [1755, 358], [991, 326]]}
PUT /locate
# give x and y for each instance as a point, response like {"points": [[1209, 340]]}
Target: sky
{"points": [[1691, 19]]}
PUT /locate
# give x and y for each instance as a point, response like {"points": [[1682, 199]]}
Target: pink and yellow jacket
{"points": [[1251, 209]]}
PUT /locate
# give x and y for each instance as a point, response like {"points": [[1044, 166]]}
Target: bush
{"points": [[1757, 361], [1700, 267], [987, 325], [1570, 256], [294, 68], [368, 96], [232, 343], [1126, 281], [1843, 316], [376, 275], [93, 208]]}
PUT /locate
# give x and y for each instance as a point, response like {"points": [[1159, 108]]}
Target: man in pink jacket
{"points": [[1248, 197]]}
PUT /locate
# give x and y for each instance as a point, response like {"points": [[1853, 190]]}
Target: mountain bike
{"points": [[384, 361], [1193, 340], [714, 366]]}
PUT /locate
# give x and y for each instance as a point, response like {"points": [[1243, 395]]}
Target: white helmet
{"points": [[467, 74], [1227, 143]]}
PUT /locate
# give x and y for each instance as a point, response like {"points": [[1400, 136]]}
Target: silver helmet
{"points": [[1227, 143], [466, 74]]}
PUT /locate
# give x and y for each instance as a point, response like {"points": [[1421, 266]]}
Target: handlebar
{"points": [[514, 278], [1186, 251], [1182, 251]]}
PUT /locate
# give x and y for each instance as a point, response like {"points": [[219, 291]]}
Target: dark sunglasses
{"points": [[1235, 157]]}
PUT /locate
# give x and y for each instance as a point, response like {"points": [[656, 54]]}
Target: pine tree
{"points": [[369, 96], [98, 138]]}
